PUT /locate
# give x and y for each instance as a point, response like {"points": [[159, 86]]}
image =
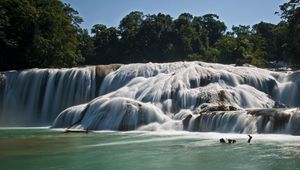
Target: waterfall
{"points": [[246, 121], [2, 88], [36, 96], [110, 114], [289, 89], [194, 96]]}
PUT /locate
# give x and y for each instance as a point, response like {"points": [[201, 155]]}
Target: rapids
{"points": [[193, 96]]}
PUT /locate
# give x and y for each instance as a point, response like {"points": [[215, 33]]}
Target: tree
{"points": [[214, 27], [290, 13], [202, 35], [106, 45], [281, 32], [154, 39], [38, 33], [264, 41], [182, 35], [289, 10], [47, 33], [16, 33], [86, 46], [244, 44], [227, 45], [129, 28]]}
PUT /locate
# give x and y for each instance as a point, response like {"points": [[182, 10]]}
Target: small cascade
{"points": [[110, 114], [246, 121], [288, 90]]}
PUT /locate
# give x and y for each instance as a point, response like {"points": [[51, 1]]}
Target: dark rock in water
{"points": [[186, 121], [222, 140], [279, 105], [218, 108], [229, 141], [232, 108]]}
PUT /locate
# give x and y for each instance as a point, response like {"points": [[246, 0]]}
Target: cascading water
{"points": [[289, 90], [245, 121], [193, 96], [2, 88], [111, 114], [36, 96]]}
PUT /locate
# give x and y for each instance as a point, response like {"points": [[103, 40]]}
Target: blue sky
{"points": [[232, 12]]}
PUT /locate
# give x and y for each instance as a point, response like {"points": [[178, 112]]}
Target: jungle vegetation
{"points": [[47, 33]]}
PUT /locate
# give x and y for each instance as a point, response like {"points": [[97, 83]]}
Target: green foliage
{"points": [[46, 33], [227, 46], [215, 28], [159, 38], [38, 33], [212, 55], [290, 13], [244, 45], [86, 46], [106, 44], [195, 57], [153, 38]]}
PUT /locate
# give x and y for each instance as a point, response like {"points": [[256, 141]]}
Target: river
{"points": [[43, 148]]}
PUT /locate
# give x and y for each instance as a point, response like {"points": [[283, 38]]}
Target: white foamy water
{"points": [[192, 96]]}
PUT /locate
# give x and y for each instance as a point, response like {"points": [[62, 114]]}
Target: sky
{"points": [[232, 12]]}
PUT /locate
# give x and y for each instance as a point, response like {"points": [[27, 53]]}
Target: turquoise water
{"points": [[52, 149]]}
